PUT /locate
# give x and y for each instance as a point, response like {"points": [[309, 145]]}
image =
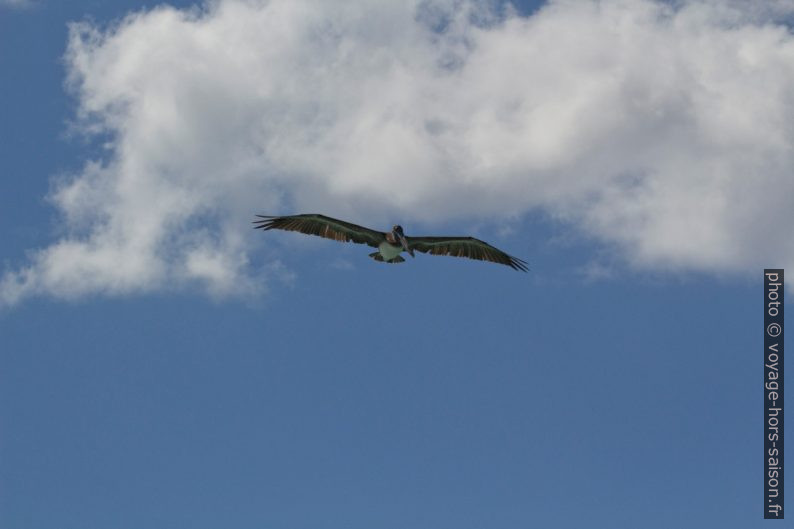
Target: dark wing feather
{"points": [[314, 224], [465, 247]]}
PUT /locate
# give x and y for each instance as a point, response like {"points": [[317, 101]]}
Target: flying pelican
{"points": [[389, 244]]}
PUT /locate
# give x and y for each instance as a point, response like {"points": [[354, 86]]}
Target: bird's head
{"points": [[397, 231]]}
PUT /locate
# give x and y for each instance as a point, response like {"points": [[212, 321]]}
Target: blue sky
{"points": [[163, 365]]}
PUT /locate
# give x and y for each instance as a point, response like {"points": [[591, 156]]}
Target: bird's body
{"points": [[389, 251], [389, 244]]}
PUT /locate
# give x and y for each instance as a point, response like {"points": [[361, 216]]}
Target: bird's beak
{"points": [[405, 244]]}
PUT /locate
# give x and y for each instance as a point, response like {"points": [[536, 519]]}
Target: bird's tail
{"points": [[378, 257]]}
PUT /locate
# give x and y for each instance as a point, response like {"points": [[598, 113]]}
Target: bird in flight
{"points": [[389, 244]]}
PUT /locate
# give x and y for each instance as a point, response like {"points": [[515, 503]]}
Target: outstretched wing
{"points": [[314, 224], [465, 247]]}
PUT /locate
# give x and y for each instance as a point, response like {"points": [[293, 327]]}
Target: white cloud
{"points": [[665, 130]]}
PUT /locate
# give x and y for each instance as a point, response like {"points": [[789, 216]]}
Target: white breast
{"points": [[389, 251]]}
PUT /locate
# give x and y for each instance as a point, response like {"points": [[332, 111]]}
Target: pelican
{"points": [[389, 244]]}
